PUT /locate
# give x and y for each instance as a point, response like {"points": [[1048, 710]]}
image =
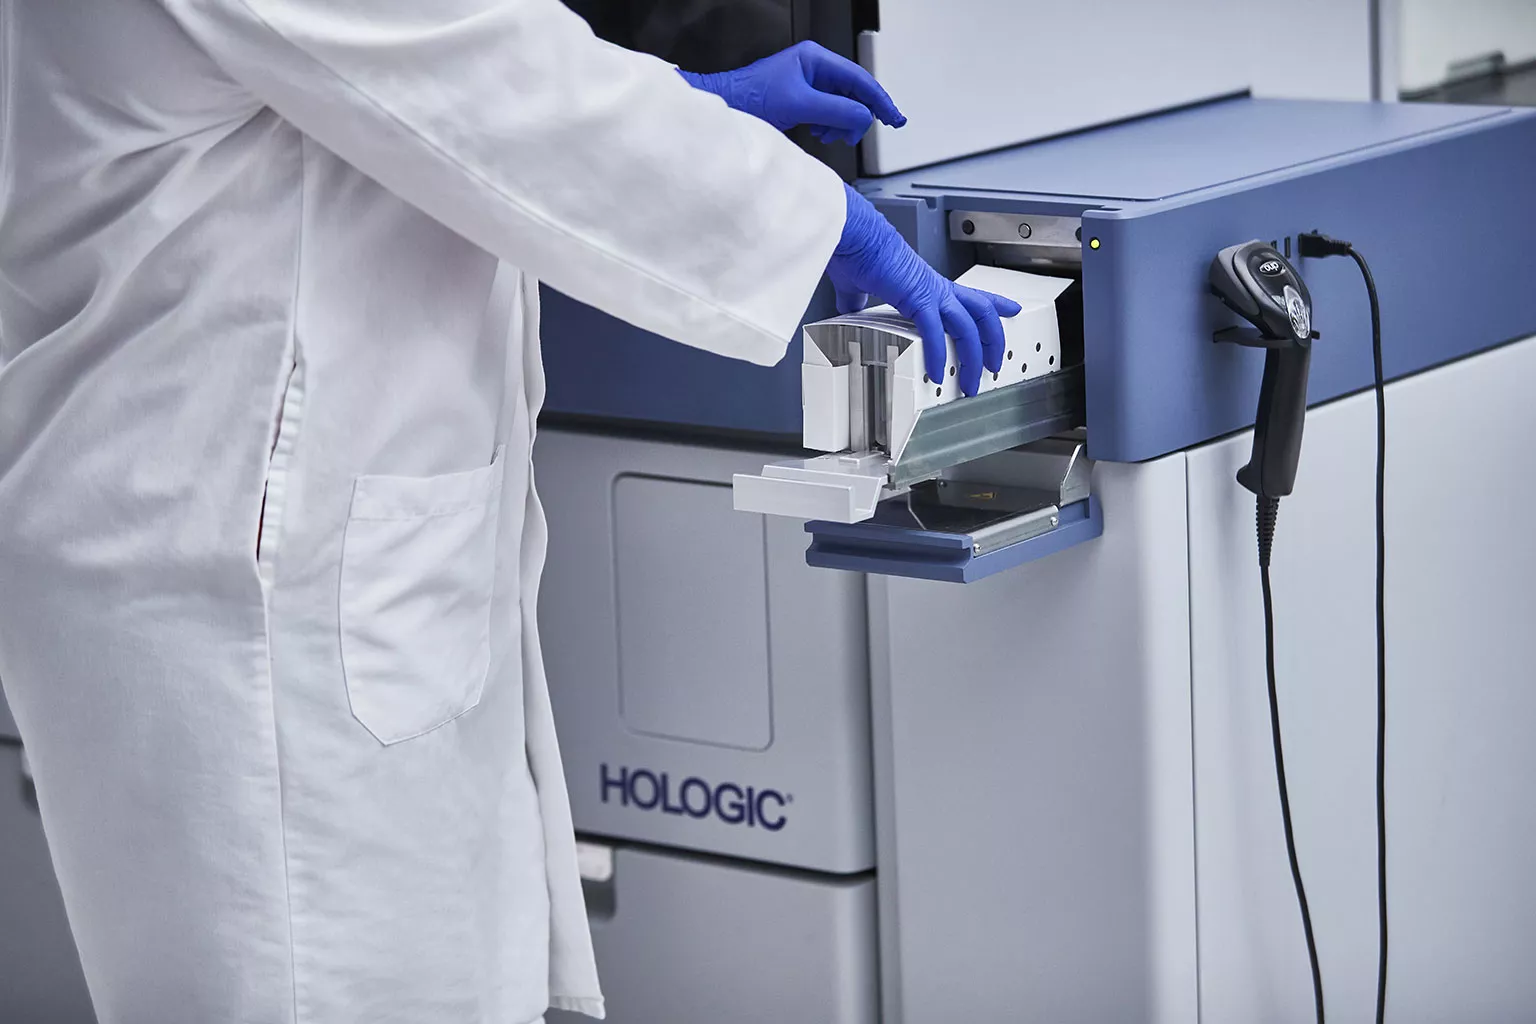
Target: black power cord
{"points": [[1315, 244], [1268, 512]]}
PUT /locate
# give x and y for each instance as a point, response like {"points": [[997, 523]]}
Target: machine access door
{"points": [[711, 690]]}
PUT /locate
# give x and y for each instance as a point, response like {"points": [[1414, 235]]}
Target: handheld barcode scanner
{"points": [[1261, 286]]}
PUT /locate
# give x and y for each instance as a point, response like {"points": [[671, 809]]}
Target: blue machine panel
{"points": [[1196, 148], [1439, 199], [597, 366]]}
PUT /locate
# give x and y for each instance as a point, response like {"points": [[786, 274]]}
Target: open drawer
{"points": [[973, 520], [921, 481]]}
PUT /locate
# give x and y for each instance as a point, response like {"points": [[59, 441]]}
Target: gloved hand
{"points": [[873, 258], [805, 84]]}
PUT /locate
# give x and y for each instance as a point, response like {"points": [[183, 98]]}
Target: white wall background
{"points": [[974, 75], [1310, 49], [1435, 33]]}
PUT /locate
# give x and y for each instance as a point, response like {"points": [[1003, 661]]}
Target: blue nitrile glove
{"points": [[873, 259], [805, 84]]}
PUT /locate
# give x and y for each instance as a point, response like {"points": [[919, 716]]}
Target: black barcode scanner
{"points": [[1261, 286]]}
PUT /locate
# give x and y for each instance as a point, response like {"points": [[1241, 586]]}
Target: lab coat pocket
{"points": [[418, 571]]}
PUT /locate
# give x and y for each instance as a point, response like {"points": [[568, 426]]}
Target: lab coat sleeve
{"points": [[591, 167]]}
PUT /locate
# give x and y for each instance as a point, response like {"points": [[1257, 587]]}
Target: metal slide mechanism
{"points": [[919, 480]]}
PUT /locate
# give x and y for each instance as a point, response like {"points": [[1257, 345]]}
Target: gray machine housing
{"points": [[1064, 765], [723, 662], [1073, 797]]}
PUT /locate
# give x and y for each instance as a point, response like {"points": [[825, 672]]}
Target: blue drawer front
{"points": [[943, 557]]}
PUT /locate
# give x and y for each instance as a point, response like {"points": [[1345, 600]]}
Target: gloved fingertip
{"points": [[897, 120], [1006, 307], [850, 301]]}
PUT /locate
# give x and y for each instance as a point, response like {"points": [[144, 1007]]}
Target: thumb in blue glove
{"points": [[806, 84], [872, 258]]}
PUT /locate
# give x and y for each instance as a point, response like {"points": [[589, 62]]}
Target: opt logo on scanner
{"points": [[726, 802]]}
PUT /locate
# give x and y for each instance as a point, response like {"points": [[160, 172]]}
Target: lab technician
{"points": [[269, 542]]}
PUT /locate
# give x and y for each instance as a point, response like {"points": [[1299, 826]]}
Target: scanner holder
{"points": [[1250, 338], [1260, 285]]}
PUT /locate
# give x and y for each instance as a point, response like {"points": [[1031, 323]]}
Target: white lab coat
{"points": [[270, 265]]}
